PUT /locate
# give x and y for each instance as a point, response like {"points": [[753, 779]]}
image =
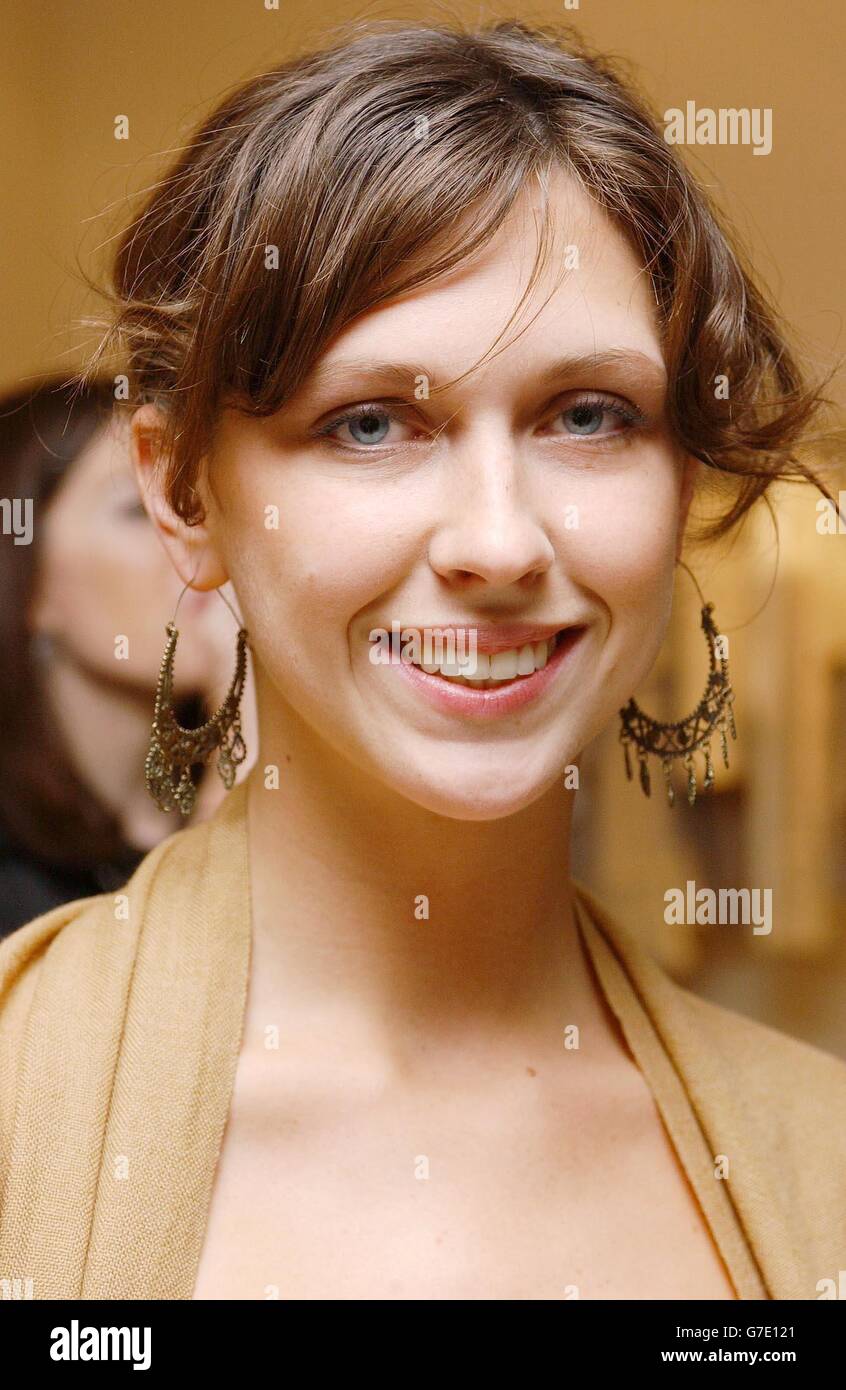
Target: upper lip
{"points": [[497, 637]]}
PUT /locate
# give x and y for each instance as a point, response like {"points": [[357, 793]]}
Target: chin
{"points": [[479, 794]]}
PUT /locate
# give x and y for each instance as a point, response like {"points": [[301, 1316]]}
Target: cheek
{"points": [[624, 551], [132, 575], [79, 582], [109, 580], [309, 567], [632, 516]]}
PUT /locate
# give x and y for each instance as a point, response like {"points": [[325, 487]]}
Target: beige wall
{"points": [[70, 66]]}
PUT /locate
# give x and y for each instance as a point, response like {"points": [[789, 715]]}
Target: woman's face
{"points": [[103, 575], [543, 493]]}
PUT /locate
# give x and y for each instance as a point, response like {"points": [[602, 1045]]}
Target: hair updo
{"points": [[358, 163]]}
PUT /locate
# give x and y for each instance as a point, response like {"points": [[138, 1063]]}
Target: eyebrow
{"points": [[629, 362]]}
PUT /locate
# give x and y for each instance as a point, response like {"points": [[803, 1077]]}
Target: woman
{"points": [[79, 627], [360, 1035]]}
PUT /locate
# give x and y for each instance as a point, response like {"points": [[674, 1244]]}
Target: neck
{"points": [[105, 726], [400, 921]]}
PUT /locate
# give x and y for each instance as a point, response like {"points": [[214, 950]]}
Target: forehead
{"points": [[592, 296]]}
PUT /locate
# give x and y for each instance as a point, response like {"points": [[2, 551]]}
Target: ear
{"points": [[191, 550], [690, 466]]}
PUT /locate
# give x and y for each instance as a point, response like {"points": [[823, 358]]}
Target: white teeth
{"points": [[492, 668], [504, 665], [526, 661]]}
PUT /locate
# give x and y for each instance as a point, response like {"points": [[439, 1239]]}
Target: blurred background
{"points": [[777, 818]]}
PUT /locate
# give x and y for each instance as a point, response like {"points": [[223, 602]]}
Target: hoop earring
{"points": [[174, 750], [714, 713]]}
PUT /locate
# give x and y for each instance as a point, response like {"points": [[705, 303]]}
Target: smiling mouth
{"points": [[494, 670]]}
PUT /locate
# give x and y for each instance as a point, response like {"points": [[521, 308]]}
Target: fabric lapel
{"points": [[176, 1069], [727, 1085]]}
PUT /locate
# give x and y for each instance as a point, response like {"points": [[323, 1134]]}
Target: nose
{"points": [[491, 529]]}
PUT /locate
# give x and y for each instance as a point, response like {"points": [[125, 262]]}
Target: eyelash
{"points": [[630, 415]]}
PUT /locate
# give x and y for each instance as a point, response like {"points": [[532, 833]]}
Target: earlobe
{"points": [[191, 551]]}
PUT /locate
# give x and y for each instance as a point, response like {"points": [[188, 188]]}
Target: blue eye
{"points": [[586, 416], [368, 424], [586, 419], [372, 431]]}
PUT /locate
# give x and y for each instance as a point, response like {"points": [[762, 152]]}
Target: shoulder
{"points": [[84, 925], [72, 965], [774, 1107], [786, 1091], [729, 1038], [83, 934], [795, 1091], [22, 957], [83, 939], [23, 951], [771, 1108]]}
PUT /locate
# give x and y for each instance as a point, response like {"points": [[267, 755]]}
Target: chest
{"points": [[523, 1194]]}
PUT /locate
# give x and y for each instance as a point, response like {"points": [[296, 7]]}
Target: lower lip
{"points": [[449, 695]]}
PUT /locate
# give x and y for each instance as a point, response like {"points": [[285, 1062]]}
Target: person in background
{"points": [[84, 600]]}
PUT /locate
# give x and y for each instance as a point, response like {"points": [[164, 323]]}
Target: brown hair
{"points": [[322, 158]]}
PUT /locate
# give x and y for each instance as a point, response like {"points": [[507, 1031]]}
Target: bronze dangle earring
{"points": [[714, 713], [174, 750]]}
